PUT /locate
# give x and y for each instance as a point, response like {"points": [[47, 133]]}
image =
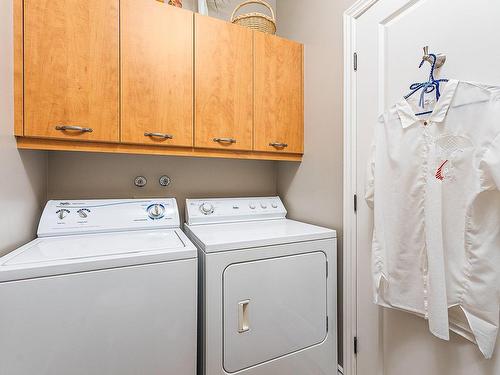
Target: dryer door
{"points": [[273, 307]]}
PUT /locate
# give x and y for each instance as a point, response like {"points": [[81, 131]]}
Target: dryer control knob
{"points": [[252, 206], [207, 208], [156, 211]]}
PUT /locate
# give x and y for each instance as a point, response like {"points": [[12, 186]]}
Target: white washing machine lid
{"points": [[233, 236], [78, 253]]}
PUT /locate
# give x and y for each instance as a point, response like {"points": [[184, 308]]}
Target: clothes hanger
{"points": [[432, 84]]}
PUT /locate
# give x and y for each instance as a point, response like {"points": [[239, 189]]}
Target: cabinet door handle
{"points": [[74, 128], [243, 323], [159, 135], [224, 140], [278, 145]]}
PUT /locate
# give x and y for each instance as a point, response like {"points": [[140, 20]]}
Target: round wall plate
{"points": [[140, 181], [165, 180]]}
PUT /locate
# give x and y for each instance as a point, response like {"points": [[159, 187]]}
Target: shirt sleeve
{"points": [[490, 166], [370, 179]]}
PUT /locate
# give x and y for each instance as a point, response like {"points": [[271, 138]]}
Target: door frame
{"points": [[350, 191]]}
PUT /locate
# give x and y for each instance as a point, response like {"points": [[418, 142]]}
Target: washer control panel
{"points": [[227, 210], [64, 217]]}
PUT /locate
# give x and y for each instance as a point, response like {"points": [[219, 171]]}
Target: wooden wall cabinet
{"points": [[156, 73], [224, 85], [71, 69], [149, 78], [279, 95]]}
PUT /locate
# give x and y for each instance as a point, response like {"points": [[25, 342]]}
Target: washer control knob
{"points": [[156, 211], [263, 205], [62, 213], [207, 208], [274, 205], [252, 206]]}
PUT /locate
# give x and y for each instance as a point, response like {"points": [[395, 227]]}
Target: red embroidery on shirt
{"points": [[439, 172]]}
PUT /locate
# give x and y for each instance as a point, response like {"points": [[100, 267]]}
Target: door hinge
{"points": [[355, 344], [327, 323], [355, 202], [355, 61]]}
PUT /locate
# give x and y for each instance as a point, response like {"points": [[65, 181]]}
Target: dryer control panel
{"points": [[229, 210], [65, 217]]}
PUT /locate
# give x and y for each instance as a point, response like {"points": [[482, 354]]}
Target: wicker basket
{"points": [[255, 20]]}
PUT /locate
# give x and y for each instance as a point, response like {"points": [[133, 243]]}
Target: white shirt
{"points": [[434, 183]]}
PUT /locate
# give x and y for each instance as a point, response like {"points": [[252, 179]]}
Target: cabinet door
{"points": [[71, 67], [157, 73], [279, 104], [224, 85]]}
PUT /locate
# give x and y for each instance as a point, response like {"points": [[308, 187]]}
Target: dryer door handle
{"points": [[243, 323]]}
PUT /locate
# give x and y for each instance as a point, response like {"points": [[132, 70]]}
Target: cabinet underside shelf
{"points": [[121, 148]]}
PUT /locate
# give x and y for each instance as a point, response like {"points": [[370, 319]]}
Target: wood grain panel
{"points": [[121, 148], [71, 68], [157, 73], [18, 68], [279, 104], [224, 84]]}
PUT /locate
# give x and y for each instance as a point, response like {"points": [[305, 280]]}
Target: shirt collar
{"points": [[408, 117]]}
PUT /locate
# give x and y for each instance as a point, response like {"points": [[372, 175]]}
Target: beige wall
{"points": [[23, 173], [88, 175], [227, 6], [312, 190]]}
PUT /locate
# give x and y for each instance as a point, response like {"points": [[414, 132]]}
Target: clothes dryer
{"points": [[267, 288]]}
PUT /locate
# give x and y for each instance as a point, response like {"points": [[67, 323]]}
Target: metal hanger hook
{"points": [[432, 84], [437, 60]]}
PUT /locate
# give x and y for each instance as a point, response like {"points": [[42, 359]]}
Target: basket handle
{"points": [[261, 2]]}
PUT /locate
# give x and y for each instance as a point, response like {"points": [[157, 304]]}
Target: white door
{"points": [[388, 39], [273, 307]]}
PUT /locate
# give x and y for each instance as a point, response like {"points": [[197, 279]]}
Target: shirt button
{"points": [[425, 123]]}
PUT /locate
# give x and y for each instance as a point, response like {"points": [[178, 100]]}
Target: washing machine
{"points": [[267, 289], [109, 287]]}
